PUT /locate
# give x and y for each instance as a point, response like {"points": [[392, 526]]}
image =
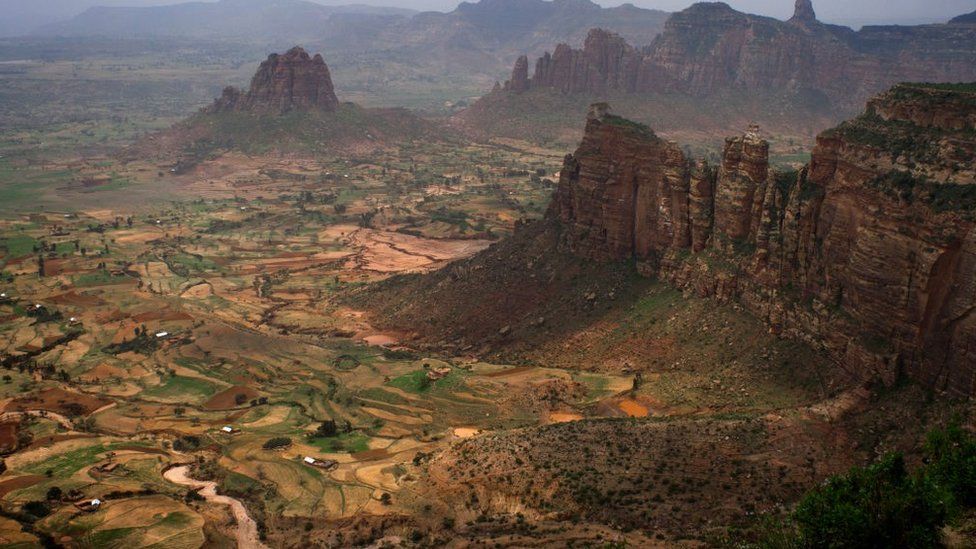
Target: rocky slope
{"points": [[290, 81], [868, 253], [710, 48]]}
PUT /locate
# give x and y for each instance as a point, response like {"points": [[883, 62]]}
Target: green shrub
{"points": [[277, 443], [952, 462], [880, 505], [885, 505]]}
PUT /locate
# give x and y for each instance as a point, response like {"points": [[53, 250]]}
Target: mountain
{"points": [[710, 51], [20, 18], [488, 25], [290, 107], [251, 20], [965, 19], [867, 253], [528, 25], [293, 81], [426, 57]]}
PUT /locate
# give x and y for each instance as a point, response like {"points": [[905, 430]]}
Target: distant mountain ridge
{"points": [[239, 19], [965, 19], [491, 29], [710, 48], [794, 77]]}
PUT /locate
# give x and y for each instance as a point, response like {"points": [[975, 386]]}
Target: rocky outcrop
{"points": [[803, 12], [868, 253], [711, 49], [520, 76], [741, 185], [290, 81]]}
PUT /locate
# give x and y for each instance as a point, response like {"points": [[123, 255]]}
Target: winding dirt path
{"points": [[247, 529]]}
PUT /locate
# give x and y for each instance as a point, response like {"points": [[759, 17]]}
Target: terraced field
{"points": [[132, 336]]}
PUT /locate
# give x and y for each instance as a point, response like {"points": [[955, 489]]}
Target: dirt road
{"points": [[247, 529]]}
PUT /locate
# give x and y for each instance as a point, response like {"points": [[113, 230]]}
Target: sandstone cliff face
{"points": [[290, 81], [868, 253], [710, 48]]}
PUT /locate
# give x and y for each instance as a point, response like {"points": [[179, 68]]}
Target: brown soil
{"points": [[143, 450], [49, 440], [225, 400], [18, 483], [8, 435], [73, 298], [56, 400], [161, 316], [633, 408]]}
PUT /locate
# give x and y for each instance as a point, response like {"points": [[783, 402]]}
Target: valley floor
{"points": [[146, 338]]}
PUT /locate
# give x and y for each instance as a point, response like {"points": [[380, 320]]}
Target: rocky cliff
{"points": [[710, 49], [284, 82], [868, 252]]}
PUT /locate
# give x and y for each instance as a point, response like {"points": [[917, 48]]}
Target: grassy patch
{"points": [[67, 463], [417, 382], [345, 443], [96, 278], [185, 264], [184, 388], [236, 483], [19, 245]]}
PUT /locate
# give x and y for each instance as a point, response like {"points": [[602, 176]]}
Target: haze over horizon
{"points": [[833, 11]]}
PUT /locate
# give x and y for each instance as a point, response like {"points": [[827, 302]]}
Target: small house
{"points": [[89, 506], [230, 430], [440, 372], [162, 335], [108, 467], [321, 463]]}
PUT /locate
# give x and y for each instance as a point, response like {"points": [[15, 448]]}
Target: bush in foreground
{"points": [[886, 505]]}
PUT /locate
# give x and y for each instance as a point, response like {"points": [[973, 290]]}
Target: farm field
{"points": [[135, 327]]}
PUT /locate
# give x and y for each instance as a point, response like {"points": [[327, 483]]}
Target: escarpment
{"points": [[711, 49], [868, 252]]}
